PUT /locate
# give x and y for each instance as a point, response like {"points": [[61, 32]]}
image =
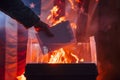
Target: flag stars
{"points": [[32, 5]]}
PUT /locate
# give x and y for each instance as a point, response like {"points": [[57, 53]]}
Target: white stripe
{"points": [[11, 49]]}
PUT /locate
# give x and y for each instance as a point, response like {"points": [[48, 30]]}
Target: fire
{"points": [[77, 59], [81, 60], [21, 77], [53, 17], [53, 14], [73, 25], [59, 20], [60, 56], [63, 55], [73, 5]]}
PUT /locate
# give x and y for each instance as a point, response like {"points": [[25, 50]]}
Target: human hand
{"points": [[41, 26]]}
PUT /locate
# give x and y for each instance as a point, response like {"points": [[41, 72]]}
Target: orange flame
{"points": [[60, 56], [21, 77], [73, 25], [52, 18], [73, 5], [60, 20]]}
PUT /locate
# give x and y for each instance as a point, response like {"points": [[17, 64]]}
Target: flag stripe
{"points": [[22, 48], [11, 48], [2, 46]]}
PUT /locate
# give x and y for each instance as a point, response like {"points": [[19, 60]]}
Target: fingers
{"points": [[44, 27], [49, 33]]}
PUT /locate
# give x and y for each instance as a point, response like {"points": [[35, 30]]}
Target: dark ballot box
{"points": [[81, 71]]}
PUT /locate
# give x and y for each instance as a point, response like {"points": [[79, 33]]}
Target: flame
{"points": [[73, 25], [60, 20], [60, 56], [21, 77], [53, 16], [81, 60], [73, 3], [77, 59]]}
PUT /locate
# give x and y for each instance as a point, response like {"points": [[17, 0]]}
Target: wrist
{"points": [[37, 24]]}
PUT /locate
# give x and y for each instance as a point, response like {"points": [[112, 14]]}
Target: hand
{"points": [[44, 27]]}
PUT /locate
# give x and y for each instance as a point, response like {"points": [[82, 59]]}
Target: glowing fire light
{"points": [[53, 13], [72, 3], [21, 77], [52, 18], [60, 56], [73, 25], [77, 59], [81, 60]]}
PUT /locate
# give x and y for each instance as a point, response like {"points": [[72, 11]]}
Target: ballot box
{"points": [[60, 57]]}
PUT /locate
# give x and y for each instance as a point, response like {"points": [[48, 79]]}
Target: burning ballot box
{"points": [[63, 36], [60, 57]]}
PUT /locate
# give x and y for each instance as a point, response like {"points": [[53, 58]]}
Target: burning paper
{"points": [[63, 36]]}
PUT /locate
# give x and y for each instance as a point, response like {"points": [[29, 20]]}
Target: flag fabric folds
{"points": [[13, 44], [14, 37]]}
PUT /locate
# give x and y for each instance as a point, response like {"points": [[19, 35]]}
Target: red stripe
{"points": [[2, 47], [22, 49]]}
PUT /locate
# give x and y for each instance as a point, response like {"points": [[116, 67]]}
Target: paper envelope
{"points": [[63, 36]]}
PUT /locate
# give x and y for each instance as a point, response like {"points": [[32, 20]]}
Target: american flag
{"points": [[13, 44], [14, 37]]}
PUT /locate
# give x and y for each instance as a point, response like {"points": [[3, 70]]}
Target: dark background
{"points": [[108, 39]]}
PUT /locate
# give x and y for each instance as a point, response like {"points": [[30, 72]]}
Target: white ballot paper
{"points": [[63, 36]]}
